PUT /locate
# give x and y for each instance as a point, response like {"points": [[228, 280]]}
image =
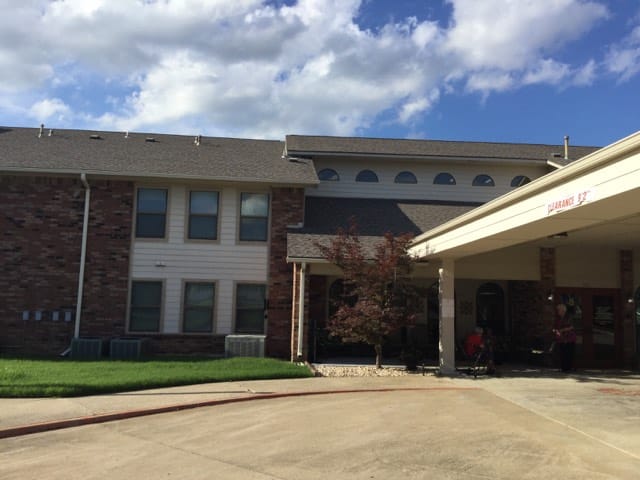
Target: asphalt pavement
{"points": [[527, 423]]}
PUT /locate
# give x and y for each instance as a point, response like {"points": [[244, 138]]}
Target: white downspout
{"points": [[83, 252], [303, 270]]}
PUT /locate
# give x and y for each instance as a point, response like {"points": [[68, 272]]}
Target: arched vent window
{"points": [[367, 176], [406, 177], [520, 180], [328, 175], [444, 178], [483, 180]]}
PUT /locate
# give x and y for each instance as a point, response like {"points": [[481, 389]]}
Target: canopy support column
{"points": [[447, 344]]}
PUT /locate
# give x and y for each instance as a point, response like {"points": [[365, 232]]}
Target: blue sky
{"points": [[483, 70]]}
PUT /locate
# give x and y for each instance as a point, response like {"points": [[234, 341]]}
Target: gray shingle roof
{"points": [[374, 218], [303, 144], [168, 156]]}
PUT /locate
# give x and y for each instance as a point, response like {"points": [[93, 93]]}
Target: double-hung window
{"points": [[254, 216], [203, 215], [250, 306], [199, 301], [151, 213], [146, 306]]}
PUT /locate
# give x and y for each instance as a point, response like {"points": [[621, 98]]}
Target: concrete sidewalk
{"points": [[606, 403], [30, 415]]}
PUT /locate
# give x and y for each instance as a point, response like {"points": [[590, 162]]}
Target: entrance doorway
{"points": [[597, 320], [490, 308]]}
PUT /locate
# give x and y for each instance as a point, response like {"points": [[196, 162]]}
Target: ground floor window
{"points": [[146, 306], [250, 307], [199, 300]]}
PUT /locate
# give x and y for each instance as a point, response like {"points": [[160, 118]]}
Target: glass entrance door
{"points": [[596, 318], [603, 329]]}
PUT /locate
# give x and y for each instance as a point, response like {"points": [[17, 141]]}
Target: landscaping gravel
{"points": [[358, 371]]}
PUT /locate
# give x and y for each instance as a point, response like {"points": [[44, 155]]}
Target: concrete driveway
{"points": [[517, 426]]}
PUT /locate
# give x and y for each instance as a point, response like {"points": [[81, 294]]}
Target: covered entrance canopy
{"points": [[590, 204]]}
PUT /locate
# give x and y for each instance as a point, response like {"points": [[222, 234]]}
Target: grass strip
{"points": [[67, 378]]}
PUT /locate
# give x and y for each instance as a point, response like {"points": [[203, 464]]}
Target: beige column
{"points": [[447, 318]]}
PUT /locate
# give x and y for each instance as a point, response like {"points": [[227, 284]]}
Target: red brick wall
{"points": [[185, 344], [107, 268], [531, 311], [547, 286], [40, 239], [287, 208], [628, 309], [527, 307]]}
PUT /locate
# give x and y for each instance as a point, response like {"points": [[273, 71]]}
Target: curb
{"points": [[110, 417]]}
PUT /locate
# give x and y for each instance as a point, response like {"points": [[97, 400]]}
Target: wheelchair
{"points": [[480, 363]]}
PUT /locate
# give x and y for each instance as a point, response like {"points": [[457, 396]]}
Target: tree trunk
{"points": [[378, 348]]}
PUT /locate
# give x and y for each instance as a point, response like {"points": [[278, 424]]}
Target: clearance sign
{"points": [[570, 201]]}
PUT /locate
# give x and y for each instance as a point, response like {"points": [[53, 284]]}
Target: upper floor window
{"points": [[203, 215], [367, 176], [328, 175], [146, 306], [444, 178], [483, 180], [250, 307], [520, 180], [151, 212], [198, 307], [406, 177], [254, 216]]}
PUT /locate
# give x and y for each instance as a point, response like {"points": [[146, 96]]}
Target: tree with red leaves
{"points": [[378, 298]]}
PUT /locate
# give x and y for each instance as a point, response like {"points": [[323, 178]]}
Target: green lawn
{"points": [[67, 378]]}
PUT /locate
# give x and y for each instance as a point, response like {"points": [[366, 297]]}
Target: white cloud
{"points": [[50, 109], [417, 106], [509, 34], [487, 81], [586, 74], [248, 68], [547, 71], [623, 59]]}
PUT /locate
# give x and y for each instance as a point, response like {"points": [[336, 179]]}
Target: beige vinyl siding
{"points": [[425, 173], [521, 262], [223, 261]]}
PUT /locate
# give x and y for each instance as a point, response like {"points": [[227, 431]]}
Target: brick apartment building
{"points": [[188, 241]]}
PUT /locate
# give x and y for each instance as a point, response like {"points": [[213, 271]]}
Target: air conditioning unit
{"points": [[87, 348], [126, 348], [244, 345]]}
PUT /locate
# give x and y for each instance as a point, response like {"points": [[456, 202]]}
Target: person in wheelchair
{"points": [[474, 343], [478, 347]]}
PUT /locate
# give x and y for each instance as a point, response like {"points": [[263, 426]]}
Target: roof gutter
{"points": [[145, 175], [83, 253], [588, 163], [307, 260], [449, 158]]}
